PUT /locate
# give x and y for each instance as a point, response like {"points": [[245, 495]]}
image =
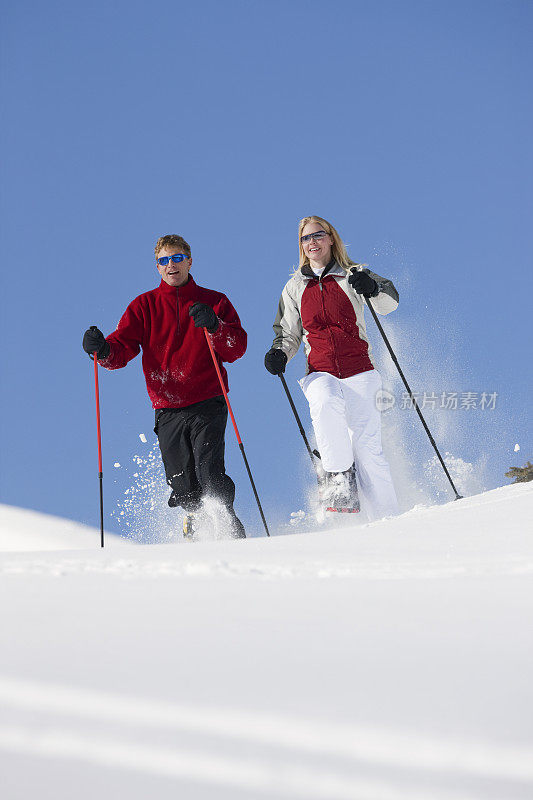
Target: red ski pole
{"points": [[241, 446], [99, 436]]}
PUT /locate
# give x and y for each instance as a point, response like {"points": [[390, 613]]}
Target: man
{"points": [[190, 412]]}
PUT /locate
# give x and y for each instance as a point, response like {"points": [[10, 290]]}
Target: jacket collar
{"points": [[332, 268], [186, 291]]}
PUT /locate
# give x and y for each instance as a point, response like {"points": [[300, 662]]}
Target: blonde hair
{"points": [[172, 240], [338, 248]]}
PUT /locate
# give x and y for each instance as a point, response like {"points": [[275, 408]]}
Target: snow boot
{"points": [[173, 500], [237, 528], [339, 492]]}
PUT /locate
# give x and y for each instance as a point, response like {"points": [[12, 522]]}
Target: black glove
{"points": [[363, 283], [93, 339], [275, 361], [203, 316]]}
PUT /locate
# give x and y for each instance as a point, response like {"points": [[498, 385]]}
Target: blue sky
{"points": [[408, 125]]}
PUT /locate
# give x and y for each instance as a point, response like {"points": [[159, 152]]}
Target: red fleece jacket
{"points": [[176, 360]]}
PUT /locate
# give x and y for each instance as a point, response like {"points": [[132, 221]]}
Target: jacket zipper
{"points": [[333, 348], [177, 313]]}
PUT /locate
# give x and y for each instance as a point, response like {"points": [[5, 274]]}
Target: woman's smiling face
{"points": [[317, 250]]}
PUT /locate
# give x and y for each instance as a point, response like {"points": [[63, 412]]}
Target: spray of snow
{"points": [[464, 475], [143, 514], [212, 522], [430, 351]]}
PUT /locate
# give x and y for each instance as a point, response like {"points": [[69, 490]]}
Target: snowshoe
{"points": [[355, 509], [188, 527]]}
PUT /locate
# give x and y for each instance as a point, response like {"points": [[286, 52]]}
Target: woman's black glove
{"points": [[203, 316], [363, 283], [275, 361], [93, 339]]}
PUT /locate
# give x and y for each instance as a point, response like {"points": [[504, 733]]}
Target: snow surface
{"points": [[21, 529], [388, 661]]}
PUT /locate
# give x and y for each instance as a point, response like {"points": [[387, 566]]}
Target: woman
{"points": [[322, 304]]}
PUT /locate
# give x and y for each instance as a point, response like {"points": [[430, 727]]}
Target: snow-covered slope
{"points": [[381, 662], [21, 529]]}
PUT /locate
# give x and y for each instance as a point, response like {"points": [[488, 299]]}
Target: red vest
{"points": [[333, 334]]}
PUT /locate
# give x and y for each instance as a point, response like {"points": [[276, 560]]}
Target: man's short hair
{"points": [[172, 240]]}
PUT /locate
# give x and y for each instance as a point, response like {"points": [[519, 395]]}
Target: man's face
{"points": [[174, 274]]}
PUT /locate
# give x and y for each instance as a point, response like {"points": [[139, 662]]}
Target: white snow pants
{"points": [[347, 427]]}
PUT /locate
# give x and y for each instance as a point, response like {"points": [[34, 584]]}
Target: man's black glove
{"points": [[363, 283], [275, 361], [203, 316], [93, 339]]}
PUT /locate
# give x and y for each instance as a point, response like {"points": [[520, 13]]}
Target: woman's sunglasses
{"points": [[314, 236]]}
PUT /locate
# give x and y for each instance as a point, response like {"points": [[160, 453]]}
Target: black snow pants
{"points": [[191, 441]]}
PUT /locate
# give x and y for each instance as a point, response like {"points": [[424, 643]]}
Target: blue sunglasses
{"points": [[177, 259]]}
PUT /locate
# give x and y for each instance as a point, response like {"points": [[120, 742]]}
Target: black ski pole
{"points": [[298, 420], [237, 434], [99, 438], [413, 398]]}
